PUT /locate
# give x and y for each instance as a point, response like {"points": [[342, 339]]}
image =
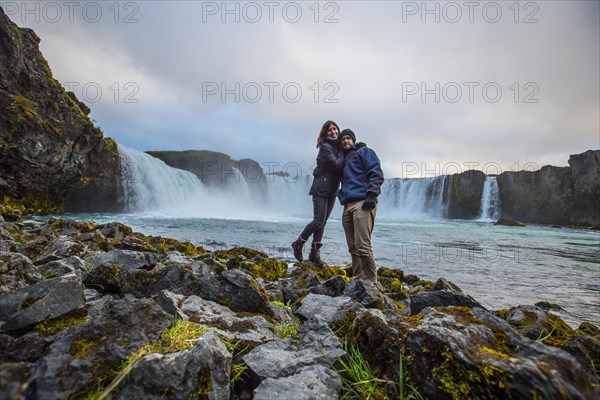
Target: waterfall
{"points": [[490, 200], [152, 187], [415, 198]]}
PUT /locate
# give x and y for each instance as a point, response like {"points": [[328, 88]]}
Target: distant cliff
{"points": [[52, 158], [554, 195]]}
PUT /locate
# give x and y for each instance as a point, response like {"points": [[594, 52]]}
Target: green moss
{"points": [[324, 273], [82, 348], [266, 268], [34, 203], [556, 331], [425, 283], [396, 285], [501, 313], [460, 382], [237, 251], [53, 326]]}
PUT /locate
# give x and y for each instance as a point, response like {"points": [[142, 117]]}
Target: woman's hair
{"points": [[323, 133]]}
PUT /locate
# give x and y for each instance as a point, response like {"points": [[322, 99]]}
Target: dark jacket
{"points": [[329, 166], [361, 174]]}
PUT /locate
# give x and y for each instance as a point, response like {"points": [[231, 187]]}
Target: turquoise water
{"points": [[500, 266]]}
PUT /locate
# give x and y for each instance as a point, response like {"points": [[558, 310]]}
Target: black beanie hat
{"points": [[347, 132]]}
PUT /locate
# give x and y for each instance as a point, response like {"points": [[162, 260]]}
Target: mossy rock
{"points": [[267, 268], [9, 214], [384, 272], [509, 222], [323, 273], [589, 329], [66, 227], [237, 251]]}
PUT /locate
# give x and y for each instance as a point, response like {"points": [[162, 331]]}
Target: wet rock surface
{"points": [[160, 318]]}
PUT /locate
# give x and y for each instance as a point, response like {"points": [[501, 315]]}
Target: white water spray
{"points": [[490, 200]]}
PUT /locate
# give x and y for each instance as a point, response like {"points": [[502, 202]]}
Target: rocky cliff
{"points": [[52, 158], [554, 195], [464, 193]]}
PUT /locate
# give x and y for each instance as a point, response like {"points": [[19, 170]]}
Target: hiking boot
{"points": [[297, 247], [315, 255]]}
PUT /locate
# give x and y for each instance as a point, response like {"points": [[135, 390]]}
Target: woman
{"points": [[323, 190]]}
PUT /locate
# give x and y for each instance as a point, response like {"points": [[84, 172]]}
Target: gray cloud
{"points": [[370, 56]]}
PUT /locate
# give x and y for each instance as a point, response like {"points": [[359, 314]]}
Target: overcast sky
{"points": [[433, 88]]}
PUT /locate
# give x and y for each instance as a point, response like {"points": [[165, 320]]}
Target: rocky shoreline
{"points": [[99, 311]]}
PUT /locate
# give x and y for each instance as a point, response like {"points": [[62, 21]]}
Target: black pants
{"points": [[322, 207]]}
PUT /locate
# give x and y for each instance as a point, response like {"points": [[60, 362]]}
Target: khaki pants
{"points": [[358, 226]]}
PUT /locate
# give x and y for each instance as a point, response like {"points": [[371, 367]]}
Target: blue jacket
{"points": [[361, 174], [329, 168]]}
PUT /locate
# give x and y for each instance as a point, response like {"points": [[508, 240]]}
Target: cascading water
{"points": [[490, 200], [415, 198], [152, 187]]}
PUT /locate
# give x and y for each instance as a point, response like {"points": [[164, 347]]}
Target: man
{"points": [[361, 184]]}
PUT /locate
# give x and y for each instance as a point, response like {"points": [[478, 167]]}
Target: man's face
{"points": [[346, 142]]}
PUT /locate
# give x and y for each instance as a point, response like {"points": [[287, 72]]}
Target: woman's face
{"points": [[332, 131]]}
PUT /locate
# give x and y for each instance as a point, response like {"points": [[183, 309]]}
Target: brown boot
{"points": [[315, 255], [297, 247]]}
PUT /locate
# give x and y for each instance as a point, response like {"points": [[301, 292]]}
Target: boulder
{"points": [[315, 382], [41, 301], [202, 371], [322, 307], [316, 345], [60, 248], [16, 272], [443, 298], [208, 313], [93, 350], [62, 267], [365, 292]]}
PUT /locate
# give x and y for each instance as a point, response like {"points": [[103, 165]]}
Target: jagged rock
{"points": [[444, 284], [316, 344], [27, 348], [208, 313], [200, 371], [441, 298], [16, 272], [114, 230], [9, 214], [61, 248], [314, 382], [41, 301], [126, 258], [93, 349], [170, 303], [538, 324], [472, 352], [322, 307], [233, 288], [332, 287], [467, 351], [125, 271], [14, 377], [62, 267], [365, 292]]}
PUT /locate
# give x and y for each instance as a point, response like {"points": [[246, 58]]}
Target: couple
{"points": [[340, 158]]}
